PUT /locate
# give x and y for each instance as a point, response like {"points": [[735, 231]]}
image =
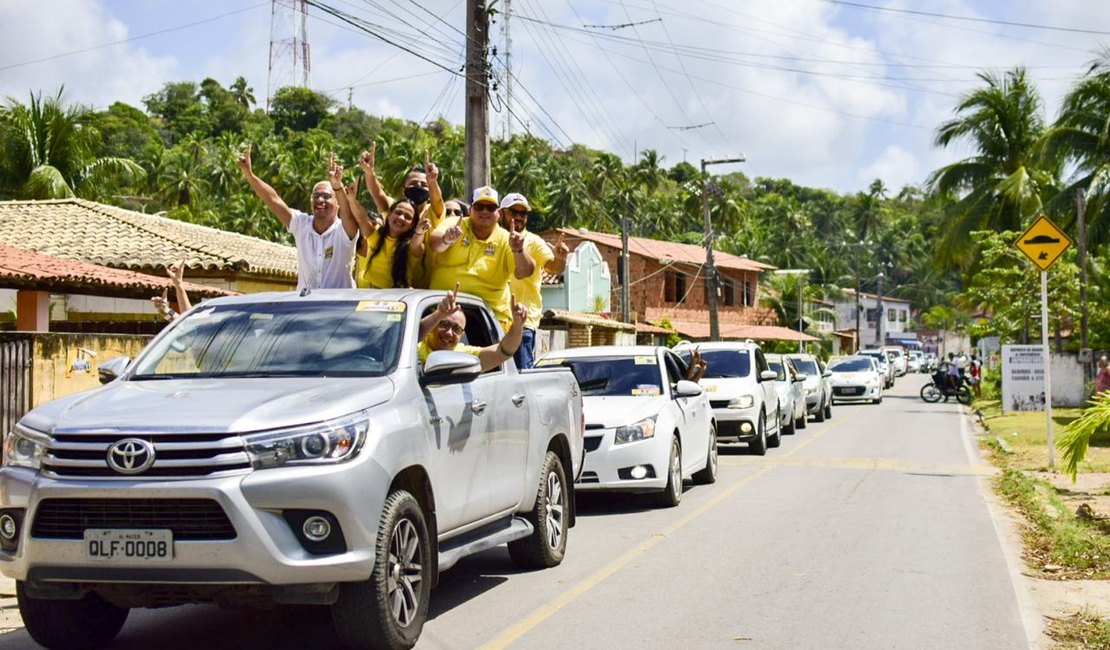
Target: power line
{"points": [[1077, 30], [623, 25], [135, 38]]}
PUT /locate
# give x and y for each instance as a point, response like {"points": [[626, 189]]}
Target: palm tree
{"points": [[243, 94], [1004, 181], [48, 152]]}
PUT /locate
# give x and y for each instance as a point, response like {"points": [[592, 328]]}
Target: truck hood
{"points": [[620, 411], [216, 405]]}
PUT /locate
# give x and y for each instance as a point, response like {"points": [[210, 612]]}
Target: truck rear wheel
{"points": [[547, 544], [388, 610], [90, 622]]}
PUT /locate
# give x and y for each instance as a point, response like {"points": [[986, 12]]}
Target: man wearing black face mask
{"points": [[421, 187]]}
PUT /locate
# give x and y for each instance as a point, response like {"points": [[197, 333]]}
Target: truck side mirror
{"points": [[447, 367], [111, 369]]}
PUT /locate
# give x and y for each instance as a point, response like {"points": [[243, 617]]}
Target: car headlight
{"points": [[810, 391], [334, 441], [641, 430], [742, 402], [25, 447]]}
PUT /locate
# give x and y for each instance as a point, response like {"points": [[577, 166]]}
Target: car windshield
{"points": [[293, 339], [722, 363], [806, 366], [876, 355], [779, 368], [850, 365], [637, 376]]}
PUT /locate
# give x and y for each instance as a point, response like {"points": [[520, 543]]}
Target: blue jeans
{"points": [[523, 356]]}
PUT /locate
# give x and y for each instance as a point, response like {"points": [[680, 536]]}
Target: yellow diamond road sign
{"points": [[1043, 243]]}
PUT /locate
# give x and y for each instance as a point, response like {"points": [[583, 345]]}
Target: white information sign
{"points": [[1023, 386]]}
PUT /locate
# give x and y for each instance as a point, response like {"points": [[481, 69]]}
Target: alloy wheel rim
{"points": [[676, 470], [405, 573], [554, 510], [713, 450]]}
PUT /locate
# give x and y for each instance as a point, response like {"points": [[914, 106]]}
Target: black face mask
{"points": [[416, 193]]}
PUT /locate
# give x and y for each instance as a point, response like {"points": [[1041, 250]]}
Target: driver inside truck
{"points": [[443, 330]]}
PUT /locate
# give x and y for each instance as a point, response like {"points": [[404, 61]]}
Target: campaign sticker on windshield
{"points": [[395, 306], [647, 390], [548, 362], [393, 318], [204, 313], [645, 361], [258, 316], [711, 388]]}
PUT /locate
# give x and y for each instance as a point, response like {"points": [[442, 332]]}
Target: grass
{"points": [[1081, 630], [1025, 432]]}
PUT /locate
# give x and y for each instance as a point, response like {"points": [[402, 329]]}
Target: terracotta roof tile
{"points": [[24, 269], [111, 236], [665, 250], [700, 330]]}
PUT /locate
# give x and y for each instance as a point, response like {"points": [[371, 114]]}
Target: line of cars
{"points": [[648, 427], [863, 376]]}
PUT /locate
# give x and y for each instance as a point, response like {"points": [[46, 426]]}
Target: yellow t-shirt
{"points": [[422, 350], [481, 267], [378, 273], [527, 290]]}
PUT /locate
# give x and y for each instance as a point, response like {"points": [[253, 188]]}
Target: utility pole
{"points": [[477, 95], [710, 237], [859, 343], [626, 297], [879, 341], [1081, 259], [508, 69]]}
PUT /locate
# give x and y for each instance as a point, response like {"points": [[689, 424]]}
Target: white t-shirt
{"points": [[323, 260]]}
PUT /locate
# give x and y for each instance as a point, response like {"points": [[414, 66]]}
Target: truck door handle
{"points": [[477, 406], [518, 399]]}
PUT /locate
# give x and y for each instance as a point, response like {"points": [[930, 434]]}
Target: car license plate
{"points": [[128, 545], [853, 391]]}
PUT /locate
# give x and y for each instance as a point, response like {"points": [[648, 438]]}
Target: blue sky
{"points": [[828, 94]]}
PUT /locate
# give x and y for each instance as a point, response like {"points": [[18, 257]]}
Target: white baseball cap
{"points": [[514, 198], [484, 193]]}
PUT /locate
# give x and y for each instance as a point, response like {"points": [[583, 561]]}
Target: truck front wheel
{"points": [[546, 545], [388, 610], [90, 622]]}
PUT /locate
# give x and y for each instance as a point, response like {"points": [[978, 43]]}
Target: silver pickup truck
{"points": [[276, 448]]}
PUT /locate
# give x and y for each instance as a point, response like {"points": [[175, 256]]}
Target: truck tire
{"points": [[671, 495], [547, 544], [708, 474], [388, 610], [90, 622]]}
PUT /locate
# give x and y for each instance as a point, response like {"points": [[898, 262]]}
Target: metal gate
{"points": [[15, 378]]}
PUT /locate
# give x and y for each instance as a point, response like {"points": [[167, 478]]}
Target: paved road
{"points": [[871, 530]]}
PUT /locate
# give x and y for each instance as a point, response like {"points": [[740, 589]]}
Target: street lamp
{"points": [[710, 268], [803, 275]]}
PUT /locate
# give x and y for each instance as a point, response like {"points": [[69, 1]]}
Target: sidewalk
{"points": [[9, 612]]}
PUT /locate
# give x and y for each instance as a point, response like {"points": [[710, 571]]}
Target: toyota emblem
{"points": [[131, 456]]}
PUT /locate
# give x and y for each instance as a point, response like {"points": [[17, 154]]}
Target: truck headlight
{"points": [[334, 441], [25, 447], [642, 430], [742, 402]]}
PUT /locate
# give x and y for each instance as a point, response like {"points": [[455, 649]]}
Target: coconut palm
{"points": [[48, 152], [1004, 182]]}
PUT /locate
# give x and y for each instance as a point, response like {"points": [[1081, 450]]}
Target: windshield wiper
{"points": [[164, 375]]}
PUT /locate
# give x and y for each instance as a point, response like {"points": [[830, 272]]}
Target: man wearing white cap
{"points": [[515, 209], [479, 255]]}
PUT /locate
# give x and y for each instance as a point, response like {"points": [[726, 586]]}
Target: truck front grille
{"points": [[176, 455], [189, 519]]}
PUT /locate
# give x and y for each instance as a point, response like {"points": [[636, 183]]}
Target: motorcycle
{"points": [[941, 387]]}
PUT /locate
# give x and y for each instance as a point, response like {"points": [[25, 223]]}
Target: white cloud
{"points": [[895, 166]]}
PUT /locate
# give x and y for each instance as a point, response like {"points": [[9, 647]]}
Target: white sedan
{"points": [[857, 378], [647, 427]]}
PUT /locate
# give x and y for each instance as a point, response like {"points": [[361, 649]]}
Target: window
{"points": [[674, 287], [728, 293], [901, 315], [892, 315]]}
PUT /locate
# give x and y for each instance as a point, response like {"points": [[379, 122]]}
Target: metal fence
{"points": [[15, 377]]}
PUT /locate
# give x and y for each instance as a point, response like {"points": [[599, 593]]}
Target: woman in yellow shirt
{"points": [[392, 254]]}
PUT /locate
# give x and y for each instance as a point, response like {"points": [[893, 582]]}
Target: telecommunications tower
{"points": [[290, 62]]}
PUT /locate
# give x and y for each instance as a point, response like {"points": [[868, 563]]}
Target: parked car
{"points": [[884, 365], [817, 386], [792, 394], [292, 449], [741, 390], [916, 359], [856, 378], [897, 357], [647, 426]]}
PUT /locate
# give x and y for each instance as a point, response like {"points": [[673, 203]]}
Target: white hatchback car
{"points": [[856, 378], [741, 387], [790, 385], [647, 426]]}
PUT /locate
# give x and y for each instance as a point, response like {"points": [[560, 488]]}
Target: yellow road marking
{"points": [[541, 614], [885, 464]]}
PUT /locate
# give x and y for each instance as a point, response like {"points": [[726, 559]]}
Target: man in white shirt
{"points": [[325, 239]]}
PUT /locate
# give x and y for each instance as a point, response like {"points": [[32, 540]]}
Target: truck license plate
{"points": [[122, 545]]}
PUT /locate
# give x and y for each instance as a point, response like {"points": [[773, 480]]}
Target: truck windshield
{"points": [[279, 339], [722, 363], [637, 376]]}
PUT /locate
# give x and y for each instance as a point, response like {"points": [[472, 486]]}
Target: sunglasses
{"points": [[483, 207], [454, 327], [322, 195], [455, 212], [517, 212]]}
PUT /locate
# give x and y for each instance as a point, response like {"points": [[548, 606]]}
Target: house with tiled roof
{"points": [[667, 283], [113, 237]]}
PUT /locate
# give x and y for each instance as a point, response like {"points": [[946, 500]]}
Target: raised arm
{"points": [[524, 263], [346, 216], [492, 356], [176, 271], [366, 161], [445, 236], [264, 191], [416, 243], [559, 263], [445, 308], [435, 194]]}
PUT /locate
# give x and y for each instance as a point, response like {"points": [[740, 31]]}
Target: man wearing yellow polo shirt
{"points": [[479, 255], [443, 328], [515, 209]]}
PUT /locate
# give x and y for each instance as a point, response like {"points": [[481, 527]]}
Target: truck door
{"points": [[511, 424]]}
